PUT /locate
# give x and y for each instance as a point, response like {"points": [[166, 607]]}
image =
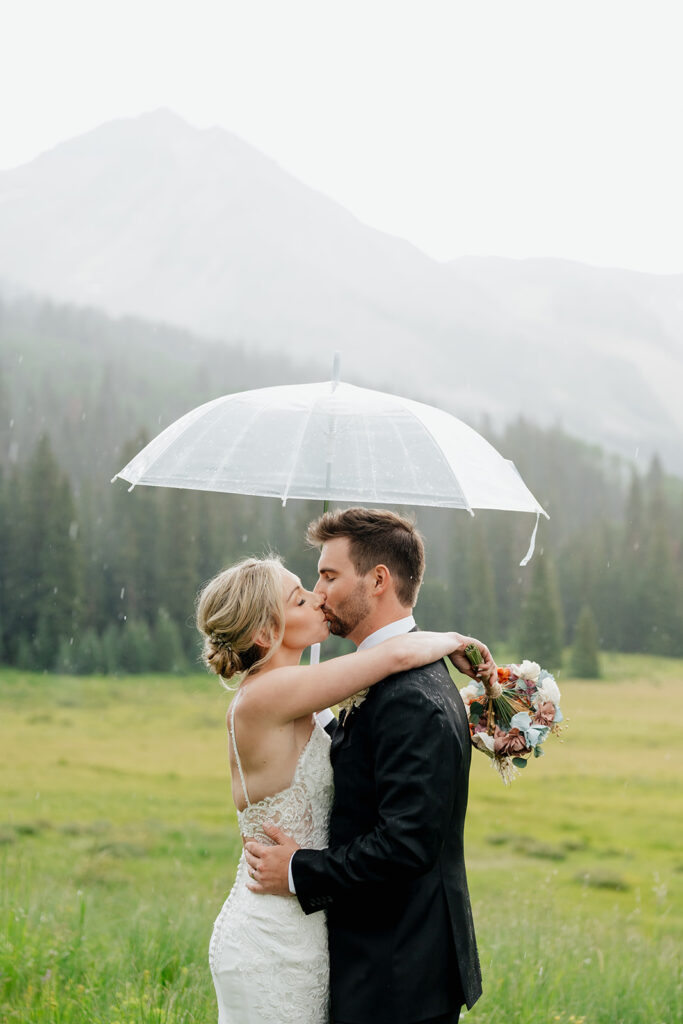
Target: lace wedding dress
{"points": [[268, 960]]}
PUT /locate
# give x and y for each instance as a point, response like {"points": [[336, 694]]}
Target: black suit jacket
{"points": [[402, 945]]}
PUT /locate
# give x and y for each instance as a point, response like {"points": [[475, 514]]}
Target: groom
{"points": [[402, 945]]}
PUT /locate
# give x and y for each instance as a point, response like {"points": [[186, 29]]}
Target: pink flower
{"points": [[482, 724], [545, 714], [510, 743]]}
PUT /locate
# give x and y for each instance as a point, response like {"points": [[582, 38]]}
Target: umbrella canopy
{"points": [[331, 441]]}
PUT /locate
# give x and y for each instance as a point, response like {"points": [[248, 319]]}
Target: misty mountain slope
{"points": [[197, 228], [154, 218], [610, 362], [94, 383]]}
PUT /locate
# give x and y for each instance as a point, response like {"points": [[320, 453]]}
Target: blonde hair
{"points": [[236, 605]]}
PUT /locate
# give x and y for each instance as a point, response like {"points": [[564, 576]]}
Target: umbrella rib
{"points": [[409, 464], [447, 466], [372, 460], [303, 430], [170, 439], [246, 427], [256, 415]]}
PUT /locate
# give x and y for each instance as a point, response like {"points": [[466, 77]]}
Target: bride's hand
{"points": [[486, 672], [423, 647]]}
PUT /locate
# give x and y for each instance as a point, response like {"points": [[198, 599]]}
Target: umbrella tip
{"points": [[336, 366]]}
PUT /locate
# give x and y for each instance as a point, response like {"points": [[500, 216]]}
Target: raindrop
{"points": [[11, 423], [244, 538], [13, 451], [55, 589], [123, 591], [73, 529]]}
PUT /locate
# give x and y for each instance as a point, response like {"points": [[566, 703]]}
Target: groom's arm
{"points": [[416, 760]]}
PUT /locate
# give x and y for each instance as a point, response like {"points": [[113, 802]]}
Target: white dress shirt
{"points": [[397, 628]]}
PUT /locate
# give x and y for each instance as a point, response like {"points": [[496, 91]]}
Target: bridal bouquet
{"points": [[511, 719]]}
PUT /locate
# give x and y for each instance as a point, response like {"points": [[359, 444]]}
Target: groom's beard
{"points": [[349, 613]]}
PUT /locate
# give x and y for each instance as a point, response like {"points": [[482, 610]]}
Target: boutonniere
{"points": [[354, 701]]}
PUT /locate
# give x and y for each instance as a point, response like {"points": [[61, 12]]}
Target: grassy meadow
{"points": [[118, 845]]}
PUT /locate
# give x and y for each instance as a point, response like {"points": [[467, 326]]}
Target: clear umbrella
{"points": [[334, 442]]}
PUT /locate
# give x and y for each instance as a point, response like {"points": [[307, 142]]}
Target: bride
{"points": [[269, 960]]}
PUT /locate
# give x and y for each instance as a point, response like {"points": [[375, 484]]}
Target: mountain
{"points": [[151, 217]]}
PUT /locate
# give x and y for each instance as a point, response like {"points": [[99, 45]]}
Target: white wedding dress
{"points": [[269, 960]]}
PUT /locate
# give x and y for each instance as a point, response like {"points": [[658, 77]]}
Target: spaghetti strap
{"points": [[234, 747]]}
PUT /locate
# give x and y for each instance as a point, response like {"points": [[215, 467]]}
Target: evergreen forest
{"points": [[96, 579]]}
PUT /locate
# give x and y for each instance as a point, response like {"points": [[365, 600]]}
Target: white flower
{"points": [[529, 670], [483, 742], [549, 690], [471, 692]]}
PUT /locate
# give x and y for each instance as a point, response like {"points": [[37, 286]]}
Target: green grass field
{"points": [[118, 845]]}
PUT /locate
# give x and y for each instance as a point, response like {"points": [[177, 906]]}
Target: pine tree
{"points": [[659, 623], [167, 654], [481, 611], [4, 545], [434, 609], [585, 663], [65, 663], [89, 654], [178, 561], [135, 651], [542, 628], [45, 571], [135, 545], [111, 650]]}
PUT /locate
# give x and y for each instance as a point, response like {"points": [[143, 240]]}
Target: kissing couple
{"points": [[350, 903]]}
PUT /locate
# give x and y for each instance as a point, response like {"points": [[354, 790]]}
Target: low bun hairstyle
{"points": [[236, 605]]}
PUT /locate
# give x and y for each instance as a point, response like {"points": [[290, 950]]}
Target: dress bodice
{"points": [[302, 810]]}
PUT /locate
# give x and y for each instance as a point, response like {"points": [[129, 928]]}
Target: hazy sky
{"points": [[506, 127]]}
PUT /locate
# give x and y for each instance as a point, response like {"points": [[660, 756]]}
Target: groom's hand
{"points": [[487, 670], [269, 865]]}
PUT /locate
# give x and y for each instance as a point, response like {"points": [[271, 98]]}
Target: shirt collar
{"points": [[396, 628]]}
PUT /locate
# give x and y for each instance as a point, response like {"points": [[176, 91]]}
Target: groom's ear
{"points": [[381, 580]]}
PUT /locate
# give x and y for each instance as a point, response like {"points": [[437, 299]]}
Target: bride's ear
{"points": [[263, 639]]}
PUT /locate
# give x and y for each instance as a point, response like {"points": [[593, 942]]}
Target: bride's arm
{"points": [[285, 694]]}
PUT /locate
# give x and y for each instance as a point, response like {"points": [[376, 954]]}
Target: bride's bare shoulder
{"points": [[258, 697]]}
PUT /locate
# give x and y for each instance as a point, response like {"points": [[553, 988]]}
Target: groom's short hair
{"points": [[377, 537]]}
